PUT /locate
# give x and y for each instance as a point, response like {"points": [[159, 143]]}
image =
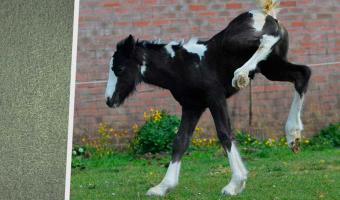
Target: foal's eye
{"points": [[119, 70]]}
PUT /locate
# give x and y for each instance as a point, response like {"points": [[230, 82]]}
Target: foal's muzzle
{"points": [[112, 102]]}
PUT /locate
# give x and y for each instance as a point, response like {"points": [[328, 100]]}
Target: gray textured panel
{"points": [[35, 60]]}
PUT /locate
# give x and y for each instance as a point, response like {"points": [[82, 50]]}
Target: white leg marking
{"points": [[259, 19], [239, 173], [169, 181], [241, 78], [111, 83], [193, 47], [294, 124]]}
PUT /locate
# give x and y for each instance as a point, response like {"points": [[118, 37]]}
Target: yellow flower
{"points": [[135, 128], [322, 195]]}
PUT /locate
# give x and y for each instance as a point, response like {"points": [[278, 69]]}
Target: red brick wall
{"points": [[314, 28]]}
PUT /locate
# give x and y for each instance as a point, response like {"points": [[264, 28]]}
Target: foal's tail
{"points": [[270, 7]]}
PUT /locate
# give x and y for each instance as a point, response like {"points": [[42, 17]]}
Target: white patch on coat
{"points": [[259, 19], [143, 68], [192, 46], [265, 48], [157, 41], [294, 124], [239, 173], [111, 83], [169, 48], [169, 181]]}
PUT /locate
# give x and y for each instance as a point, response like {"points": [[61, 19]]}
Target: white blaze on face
{"points": [[111, 83], [193, 47]]}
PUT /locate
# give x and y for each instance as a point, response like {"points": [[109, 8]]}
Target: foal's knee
{"points": [[301, 82], [179, 146]]}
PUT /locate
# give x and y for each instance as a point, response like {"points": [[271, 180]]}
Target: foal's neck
{"points": [[154, 64]]}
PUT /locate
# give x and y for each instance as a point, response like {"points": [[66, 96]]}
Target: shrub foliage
{"points": [[156, 134], [327, 137]]}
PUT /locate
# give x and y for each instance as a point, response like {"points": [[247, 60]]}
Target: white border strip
{"points": [[105, 81], [71, 103]]}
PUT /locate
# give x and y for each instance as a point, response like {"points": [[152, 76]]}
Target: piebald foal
{"points": [[202, 74]]}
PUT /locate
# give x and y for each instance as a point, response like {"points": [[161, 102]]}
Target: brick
{"points": [[197, 7], [161, 22], [207, 14], [233, 6], [111, 4], [287, 4], [298, 24], [141, 23]]}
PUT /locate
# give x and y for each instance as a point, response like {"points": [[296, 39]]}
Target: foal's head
{"points": [[124, 72]]}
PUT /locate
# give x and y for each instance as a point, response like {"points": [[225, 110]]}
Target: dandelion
{"points": [[81, 150], [135, 128], [322, 195]]}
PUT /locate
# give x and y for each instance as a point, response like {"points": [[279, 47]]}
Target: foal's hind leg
{"points": [[181, 143], [278, 69], [241, 75], [239, 173]]}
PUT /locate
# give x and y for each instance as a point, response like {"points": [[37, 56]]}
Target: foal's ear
{"points": [[129, 44]]}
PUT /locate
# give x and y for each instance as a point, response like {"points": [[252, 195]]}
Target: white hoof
{"points": [[234, 188], [293, 140], [240, 80], [158, 190], [293, 135]]}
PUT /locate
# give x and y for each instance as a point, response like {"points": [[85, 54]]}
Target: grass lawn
{"points": [[273, 174]]}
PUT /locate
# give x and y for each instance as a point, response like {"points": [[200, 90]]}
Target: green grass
{"points": [[275, 174]]}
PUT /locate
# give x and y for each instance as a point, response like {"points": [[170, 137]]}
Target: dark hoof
{"points": [[295, 146]]}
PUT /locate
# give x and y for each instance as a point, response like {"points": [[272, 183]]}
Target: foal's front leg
{"points": [[181, 143], [241, 75], [239, 172]]}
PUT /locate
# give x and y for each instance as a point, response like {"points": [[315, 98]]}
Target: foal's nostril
{"points": [[109, 102]]}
